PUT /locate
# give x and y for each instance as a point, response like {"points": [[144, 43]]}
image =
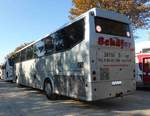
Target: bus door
{"points": [[146, 70]]}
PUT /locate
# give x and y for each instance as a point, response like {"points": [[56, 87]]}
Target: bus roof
{"points": [[111, 15]]}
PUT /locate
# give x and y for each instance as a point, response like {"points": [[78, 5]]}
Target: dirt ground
{"points": [[23, 101]]}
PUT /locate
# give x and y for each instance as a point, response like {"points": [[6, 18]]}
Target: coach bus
{"points": [[8, 70], [90, 58]]}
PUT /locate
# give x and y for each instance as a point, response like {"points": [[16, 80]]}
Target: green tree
{"points": [[137, 10]]}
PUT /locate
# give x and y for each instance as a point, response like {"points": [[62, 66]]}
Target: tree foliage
{"points": [[137, 10]]}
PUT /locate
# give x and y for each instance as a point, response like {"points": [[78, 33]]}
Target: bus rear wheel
{"points": [[48, 90]]}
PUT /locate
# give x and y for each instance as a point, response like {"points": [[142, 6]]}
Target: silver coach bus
{"points": [[91, 58]]}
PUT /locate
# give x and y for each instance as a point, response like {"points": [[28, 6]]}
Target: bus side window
{"points": [[59, 40], [11, 62], [30, 53], [74, 34], [49, 45], [34, 52], [23, 55], [69, 36], [17, 57]]}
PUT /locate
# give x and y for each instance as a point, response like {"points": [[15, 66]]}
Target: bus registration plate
{"points": [[116, 83]]}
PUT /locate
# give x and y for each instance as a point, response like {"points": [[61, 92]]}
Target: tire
{"points": [[48, 89]]}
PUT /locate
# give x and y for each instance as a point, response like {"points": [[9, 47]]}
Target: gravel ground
{"points": [[23, 101]]}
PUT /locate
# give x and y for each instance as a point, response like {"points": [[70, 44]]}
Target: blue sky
{"points": [[28, 20]]}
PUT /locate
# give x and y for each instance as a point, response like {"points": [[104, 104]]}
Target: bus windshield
{"points": [[111, 27]]}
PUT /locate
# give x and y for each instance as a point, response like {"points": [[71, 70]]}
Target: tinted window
{"points": [[49, 45], [74, 33], [17, 57], [23, 55], [69, 36], [30, 53], [11, 62], [34, 52], [61, 40], [111, 27]]}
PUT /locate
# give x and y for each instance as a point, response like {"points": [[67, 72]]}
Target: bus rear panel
{"points": [[112, 57]]}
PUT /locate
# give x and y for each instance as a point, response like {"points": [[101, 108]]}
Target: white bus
{"points": [[90, 58], [8, 70]]}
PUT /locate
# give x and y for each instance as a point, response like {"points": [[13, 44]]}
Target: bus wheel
{"points": [[48, 90]]}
